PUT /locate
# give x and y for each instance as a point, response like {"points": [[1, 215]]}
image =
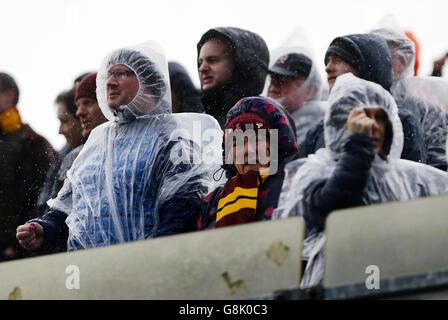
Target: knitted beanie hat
{"points": [[87, 87], [247, 121]]}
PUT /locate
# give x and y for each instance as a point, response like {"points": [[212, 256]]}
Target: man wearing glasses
{"points": [[126, 185]]}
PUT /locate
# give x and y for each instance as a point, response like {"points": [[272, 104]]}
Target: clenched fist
{"points": [[359, 122], [30, 235]]}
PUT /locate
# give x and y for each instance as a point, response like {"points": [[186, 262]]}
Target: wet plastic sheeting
{"points": [[140, 160]]}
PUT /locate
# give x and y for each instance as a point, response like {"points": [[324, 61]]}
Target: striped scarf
{"points": [[238, 202]]}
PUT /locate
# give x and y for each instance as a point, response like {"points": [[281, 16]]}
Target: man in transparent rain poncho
{"points": [[360, 165], [141, 174], [295, 83]]}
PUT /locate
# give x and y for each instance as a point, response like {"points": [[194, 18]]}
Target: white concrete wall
{"points": [[401, 238], [233, 262]]}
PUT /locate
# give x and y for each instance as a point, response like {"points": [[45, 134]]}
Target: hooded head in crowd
{"points": [[133, 82], [402, 51], [257, 113], [232, 64], [387, 134], [406, 90], [129, 182], [367, 57], [294, 79], [364, 55]]}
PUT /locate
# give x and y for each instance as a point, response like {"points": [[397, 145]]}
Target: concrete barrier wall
{"points": [[233, 262], [400, 238]]}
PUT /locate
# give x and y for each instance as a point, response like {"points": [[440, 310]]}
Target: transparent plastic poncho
{"points": [[433, 92], [419, 95], [143, 165], [392, 179], [402, 51], [431, 89], [425, 98], [311, 89], [308, 108]]}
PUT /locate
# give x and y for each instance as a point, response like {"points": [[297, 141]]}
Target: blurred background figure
{"points": [[70, 125], [431, 116], [184, 96], [431, 89], [438, 65], [70, 128], [25, 158], [411, 36], [295, 82], [79, 78], [79, 114], [88, 114]]}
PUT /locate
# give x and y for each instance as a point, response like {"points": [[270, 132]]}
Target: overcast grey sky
{"points": [[46, 44]]}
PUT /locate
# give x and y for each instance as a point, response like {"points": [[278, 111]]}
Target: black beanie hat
{"points": [[343, 48]]}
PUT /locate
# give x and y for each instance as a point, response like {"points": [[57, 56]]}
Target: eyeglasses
{"points": [[120, 74]]}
